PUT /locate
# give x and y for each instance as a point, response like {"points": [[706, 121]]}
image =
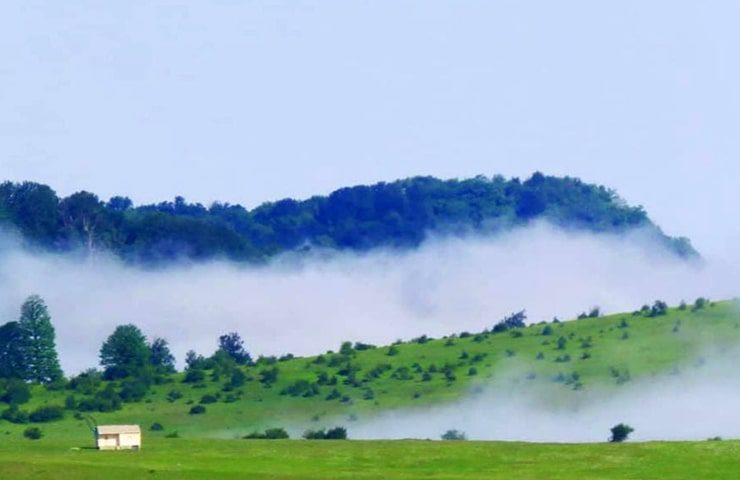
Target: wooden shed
{"points": [[118, 437]]}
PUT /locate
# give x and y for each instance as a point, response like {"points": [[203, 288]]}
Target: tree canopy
{"points": [[125, 353], [399, 214]]}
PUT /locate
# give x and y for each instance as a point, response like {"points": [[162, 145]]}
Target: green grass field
{"points": [[294, 459]]}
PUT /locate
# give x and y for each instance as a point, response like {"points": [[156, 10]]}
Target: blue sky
{"points": [[252, 101]]}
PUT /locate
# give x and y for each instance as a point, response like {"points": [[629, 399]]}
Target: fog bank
{"points": [[696, 405], [309, 305]]}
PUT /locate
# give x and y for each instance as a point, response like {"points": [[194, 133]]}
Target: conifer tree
{"points": [[41, 358]]}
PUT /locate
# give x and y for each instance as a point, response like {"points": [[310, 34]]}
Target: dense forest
{"points": [[398, 214]]}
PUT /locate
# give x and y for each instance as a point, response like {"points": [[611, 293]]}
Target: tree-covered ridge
{"points": [[398, 214]]}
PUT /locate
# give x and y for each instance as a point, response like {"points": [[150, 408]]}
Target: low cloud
{"points": [[695, 405], [308, 305]]}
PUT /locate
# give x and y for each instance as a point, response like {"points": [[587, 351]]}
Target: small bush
{"points": [[14, 415], [174, 395], [207, 399], [336, 433], [197, 410], [47, 414], [33, 433], [454, 435], [269, 434], [14, 392], [156, 427], [194, 376], [174, 434]]}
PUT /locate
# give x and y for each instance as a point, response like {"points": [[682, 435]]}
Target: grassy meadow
{"points": [[185, 459]]}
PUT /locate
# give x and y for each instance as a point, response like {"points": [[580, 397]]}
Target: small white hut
{"points": [[118, 437]]}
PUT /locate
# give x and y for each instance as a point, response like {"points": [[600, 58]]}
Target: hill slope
{"points": [[399, 214], [558, 361]]}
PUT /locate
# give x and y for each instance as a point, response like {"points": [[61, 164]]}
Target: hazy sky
{"points": [[252, 101]]}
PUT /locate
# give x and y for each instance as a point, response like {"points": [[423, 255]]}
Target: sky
{"points": [[247, 101]]}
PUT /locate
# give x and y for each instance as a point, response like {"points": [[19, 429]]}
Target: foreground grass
{"points": [[293, 459]]}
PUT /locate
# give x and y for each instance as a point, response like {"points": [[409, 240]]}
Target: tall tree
{"points": [[233, 345], [83, 215], [125, 353], [41, 358], [160, 356], [12, 351]]}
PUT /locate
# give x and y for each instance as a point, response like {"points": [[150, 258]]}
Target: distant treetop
{"points": [[397, 215]]}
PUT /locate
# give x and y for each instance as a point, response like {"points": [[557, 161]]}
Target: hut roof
{"points": [[114, 429]]}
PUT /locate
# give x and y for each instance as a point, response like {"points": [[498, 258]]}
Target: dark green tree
{"points": [[620, 433], [160, 356], [12, 351], [125, 353], [233, 345], [42, 363]]}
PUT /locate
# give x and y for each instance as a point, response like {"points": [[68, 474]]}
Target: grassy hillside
{"points": [[184, 459], [575, 357]]}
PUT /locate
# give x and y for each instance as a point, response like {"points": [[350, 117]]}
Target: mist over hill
{"points": [[397, 215]]}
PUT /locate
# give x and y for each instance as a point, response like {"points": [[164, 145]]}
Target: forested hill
{"points": [[398, 214]]}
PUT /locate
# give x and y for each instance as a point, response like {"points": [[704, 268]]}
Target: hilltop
{"points": [[559, 361], [397, 215]]}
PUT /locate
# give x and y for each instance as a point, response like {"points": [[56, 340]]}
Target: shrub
{"points": [[14, 415], [238, 379], [515, 320], [47, 414], [268, 376], [86, 382], [174, 434], [156, 427], [301, 388], [173, 395], [620, 433], [472, 371], [454, 435], [402, 373], [336, 433], [359, 346], [659, 308], [134, 390], [562, 343], [548, 330], [269, 434], [208, 398], [333, 395], [14, 391], [197, 410], [33, 433], [194, 375]]}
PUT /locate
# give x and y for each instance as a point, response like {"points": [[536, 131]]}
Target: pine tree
{"points": [[41, 358]]}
